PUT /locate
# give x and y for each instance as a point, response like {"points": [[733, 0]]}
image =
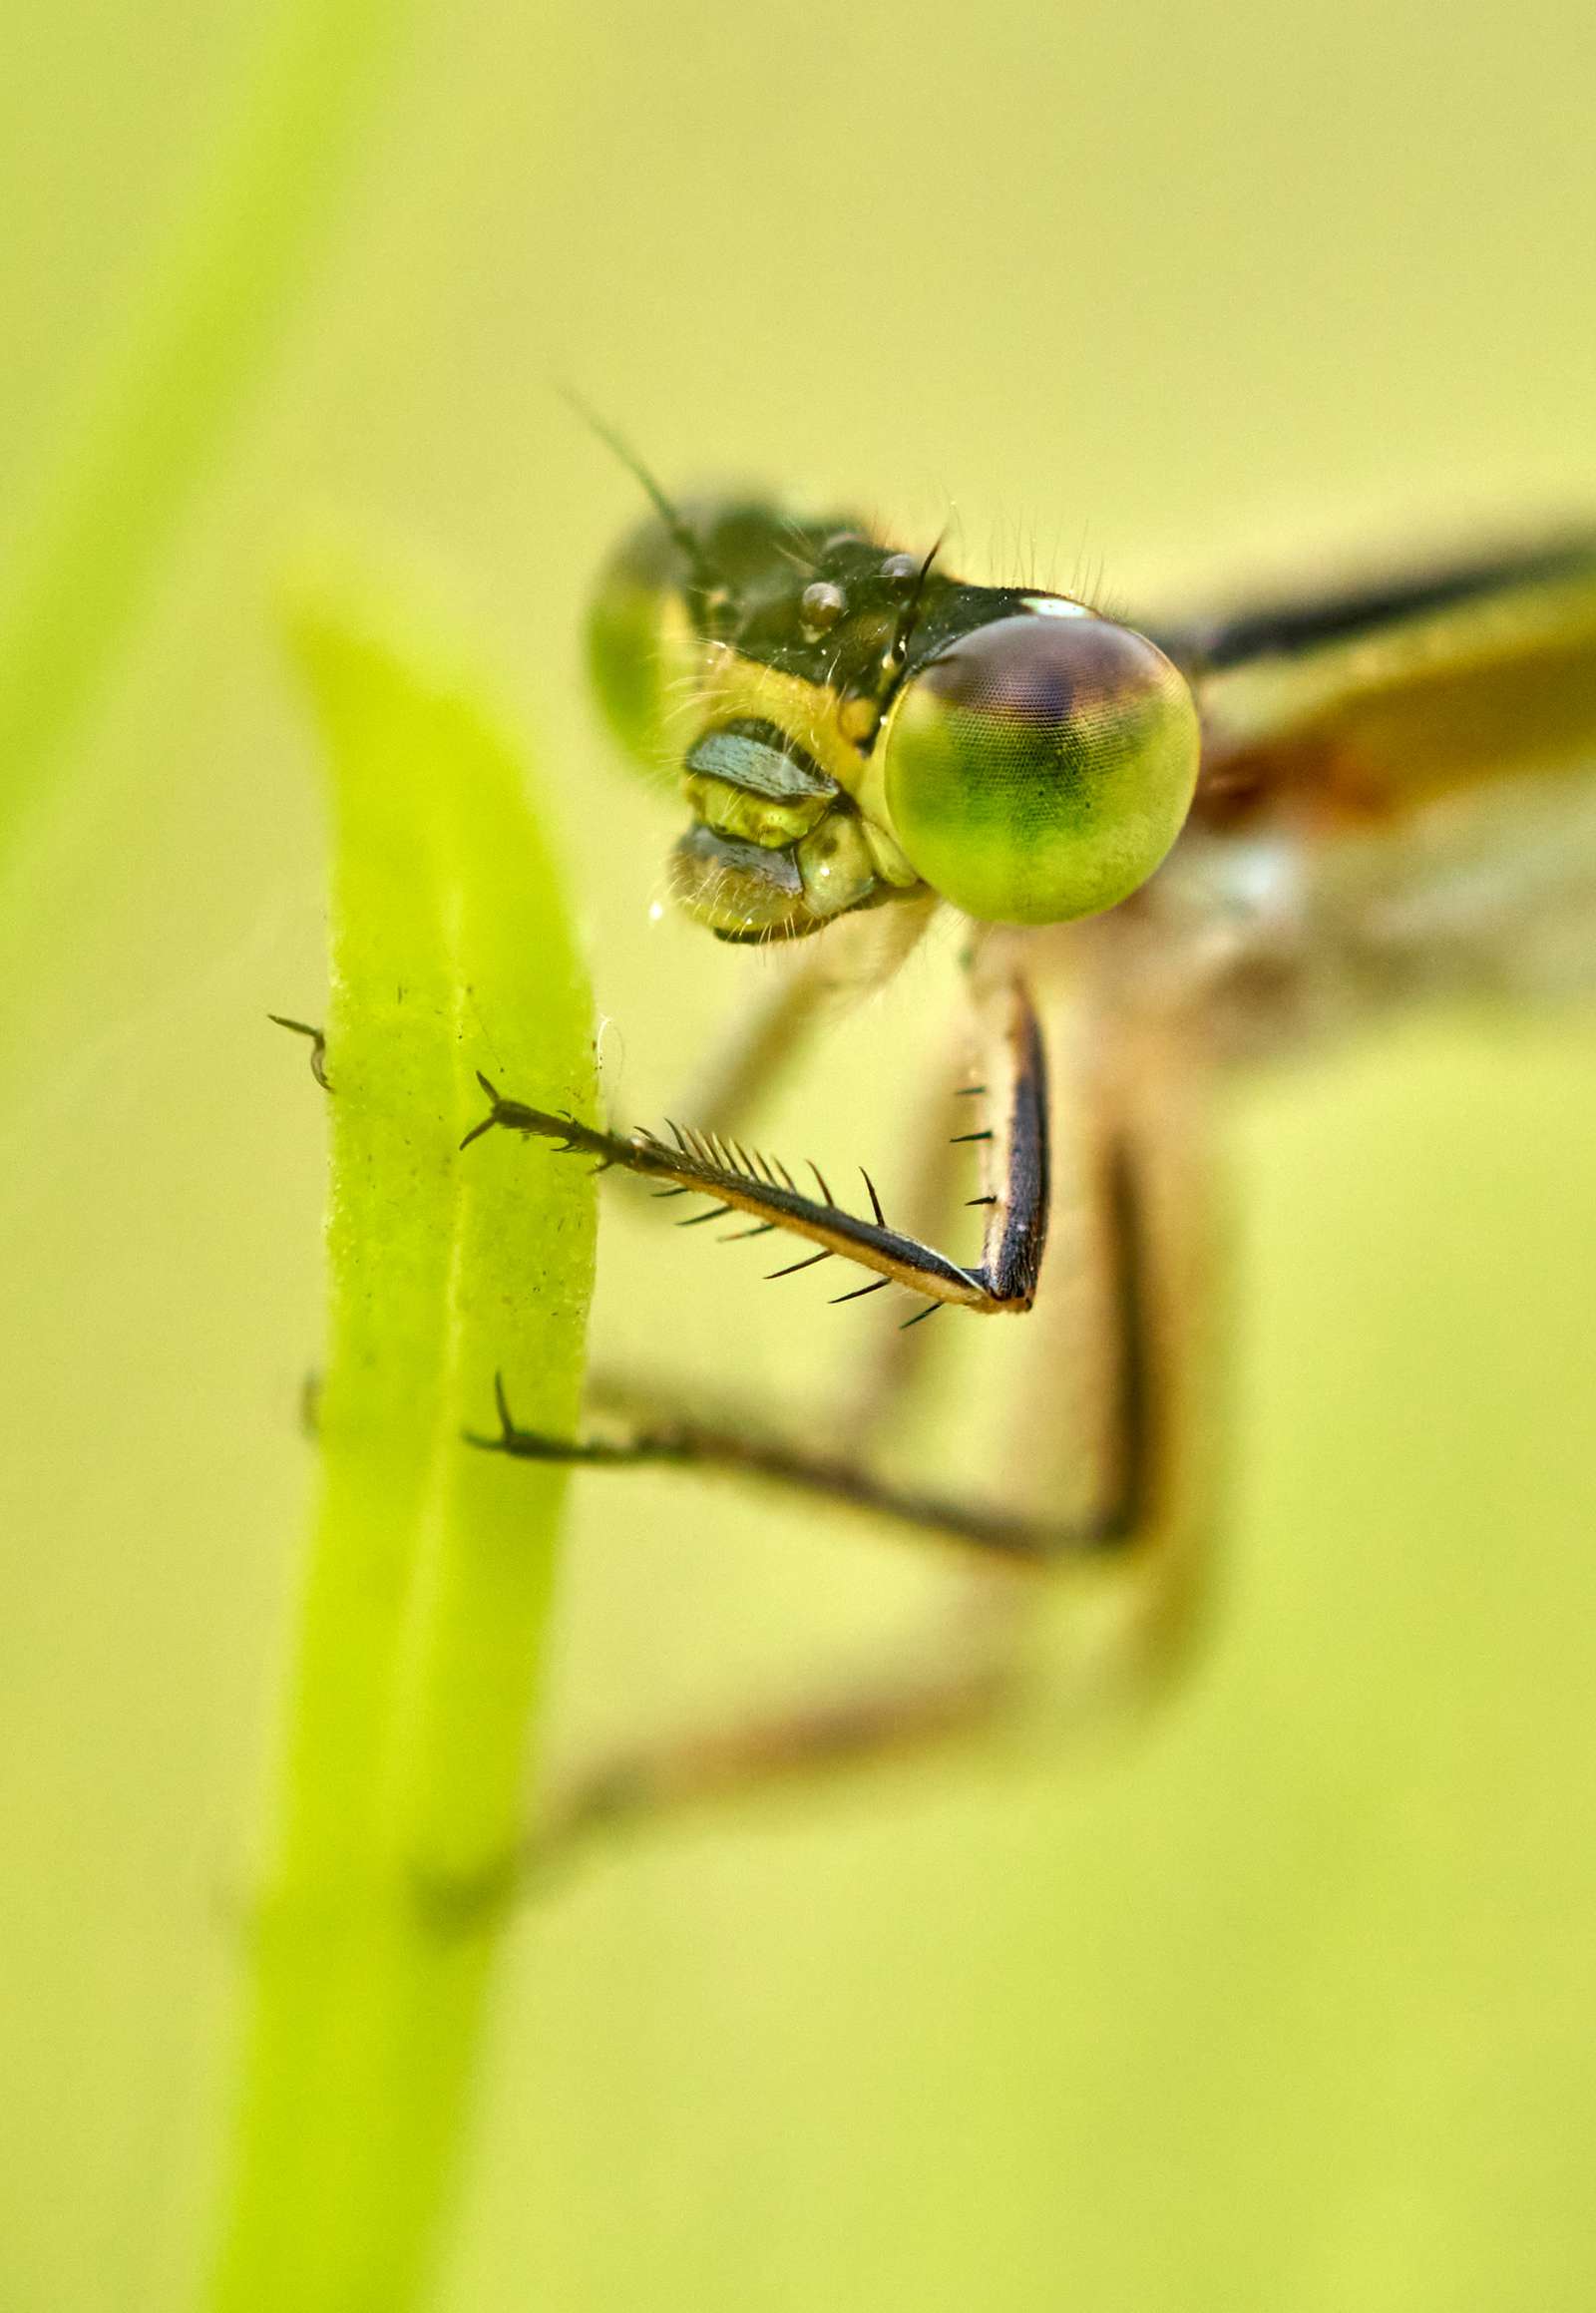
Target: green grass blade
{"points": [[418, 1646], [205, 315]]}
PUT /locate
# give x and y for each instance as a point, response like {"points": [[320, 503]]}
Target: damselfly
{"points": [[1173, 849]]}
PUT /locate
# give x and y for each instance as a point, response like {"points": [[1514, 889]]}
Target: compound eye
{"points": [[1039, 768], [640, 646]]}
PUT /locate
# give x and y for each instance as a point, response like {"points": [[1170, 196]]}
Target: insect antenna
{"points": [[707, 577], [911, 609]]}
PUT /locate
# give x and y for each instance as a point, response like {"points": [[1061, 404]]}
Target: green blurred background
{"points": [[1289, 1998]]}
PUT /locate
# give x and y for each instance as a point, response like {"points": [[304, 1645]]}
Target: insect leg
{"points": [[965, 1677], [1016, 1141], [1016, 1648], [644, 1425], [656, 1429]]}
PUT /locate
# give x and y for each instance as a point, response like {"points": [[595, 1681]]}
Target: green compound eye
{"points": [[640, 646], [1039, 767]]}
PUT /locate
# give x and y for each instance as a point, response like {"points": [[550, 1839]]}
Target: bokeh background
{"points": [[1287, 1998]]}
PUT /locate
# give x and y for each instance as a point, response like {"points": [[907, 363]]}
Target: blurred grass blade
{"points": [[204, 319], [416, 1661]]}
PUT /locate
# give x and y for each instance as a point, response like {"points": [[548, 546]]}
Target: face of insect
{"points": [[852, 725]]}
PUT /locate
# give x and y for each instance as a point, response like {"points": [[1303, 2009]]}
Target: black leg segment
{"points": [[737, 1179]]}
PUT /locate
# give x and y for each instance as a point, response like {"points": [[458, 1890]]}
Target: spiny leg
{"points": [[740, 1180], [658, 1429], [1137, 1103], [647, 1425], [981, 1676], [764, 1038]]}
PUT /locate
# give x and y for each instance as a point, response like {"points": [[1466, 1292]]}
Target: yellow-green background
{"points": [[1289, 2002]]}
